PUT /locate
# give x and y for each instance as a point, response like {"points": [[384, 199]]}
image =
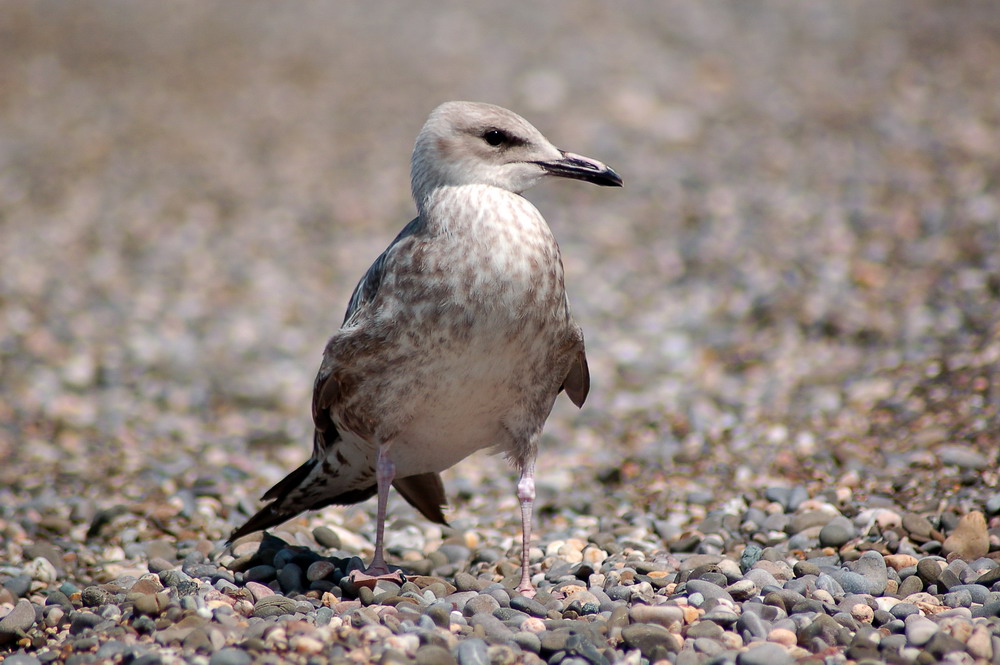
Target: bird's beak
{"points": [[579, 167]]}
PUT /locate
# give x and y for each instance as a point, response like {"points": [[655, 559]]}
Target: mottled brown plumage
{"points": [[458, 338]]}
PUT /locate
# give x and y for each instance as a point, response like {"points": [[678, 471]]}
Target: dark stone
{"points": [[825, 628], [651, 640], [18, 585], [81, 621], [528, 606], [928, 570]]}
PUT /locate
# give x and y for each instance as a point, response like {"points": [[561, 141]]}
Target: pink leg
{"points": [[526, 496], [385, 471]]}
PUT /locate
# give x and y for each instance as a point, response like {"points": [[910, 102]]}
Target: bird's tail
{"points": [[308, 488]]}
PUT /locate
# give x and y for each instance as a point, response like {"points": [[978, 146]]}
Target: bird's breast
{"points": [[496, 254]]}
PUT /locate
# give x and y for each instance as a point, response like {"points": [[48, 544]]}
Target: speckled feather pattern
{"points": [[468, 341]]}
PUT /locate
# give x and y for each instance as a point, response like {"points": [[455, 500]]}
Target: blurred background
{"points": [[797, 285]]}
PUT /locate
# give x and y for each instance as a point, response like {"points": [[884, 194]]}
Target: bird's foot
{"points": [[526, 589], [373, 574]]}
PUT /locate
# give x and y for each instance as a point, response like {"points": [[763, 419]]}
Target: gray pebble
{"points": [[872, 567], [964, 457], [528, 606], [480, 604], [230, 656], [992, 504], [327, 537], [473, 651], [850, 581], [19, 620], [81, 621], [752, 625], [903, 610], [809, 519], [21, 659], [110, 649], [172, 578], [837, 532], [708, 590], [528, 641], [958, 597], [919, 630], [910, 585], [765, 654], [496, 631], [928, 570], [271, 606], [262, 574], [18, 585]]}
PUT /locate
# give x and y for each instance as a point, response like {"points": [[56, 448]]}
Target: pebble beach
{"points": [[791, 448]]}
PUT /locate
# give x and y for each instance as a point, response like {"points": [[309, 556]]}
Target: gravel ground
{"points": [[790, 451]]}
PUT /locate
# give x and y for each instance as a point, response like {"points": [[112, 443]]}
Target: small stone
{"points": [[272, 606], [899, 561], [327, 537], [929, 570], [970, 540], [661, 615], [862, 613], [964, 457], [480, 604], [319, 570], [466, 582], [528, 641], [871, 566], [230, 656], [473, 651], [306, 644], [918, 527], [910, 585], [18, 585], [837, 532], [649, 639], [919, 630], [765, 654], [782, 636], [23, 659], [742, 590], [82, 621], [528, 606], [18, 621], [146, 604], [258, 590], [261, 574], [809, 519], [980, 644]]}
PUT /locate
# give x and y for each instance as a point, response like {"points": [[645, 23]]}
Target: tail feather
{"points": [[306, 488], [425, 492]]}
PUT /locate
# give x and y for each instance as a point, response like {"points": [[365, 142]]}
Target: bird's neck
{"points": [[475, 209]]}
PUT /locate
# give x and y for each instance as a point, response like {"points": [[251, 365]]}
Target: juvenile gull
{"points": [[458, 338]]}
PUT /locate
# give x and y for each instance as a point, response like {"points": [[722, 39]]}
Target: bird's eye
{"points": [[495, 137]]}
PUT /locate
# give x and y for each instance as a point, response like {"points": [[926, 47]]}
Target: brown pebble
{"points": [[970, 539], [782, 636], [899, 561]]}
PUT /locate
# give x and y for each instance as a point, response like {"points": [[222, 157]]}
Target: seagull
{"points": [[457, 339]]}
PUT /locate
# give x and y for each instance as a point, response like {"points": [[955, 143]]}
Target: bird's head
{"points": [[466, 143]]}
